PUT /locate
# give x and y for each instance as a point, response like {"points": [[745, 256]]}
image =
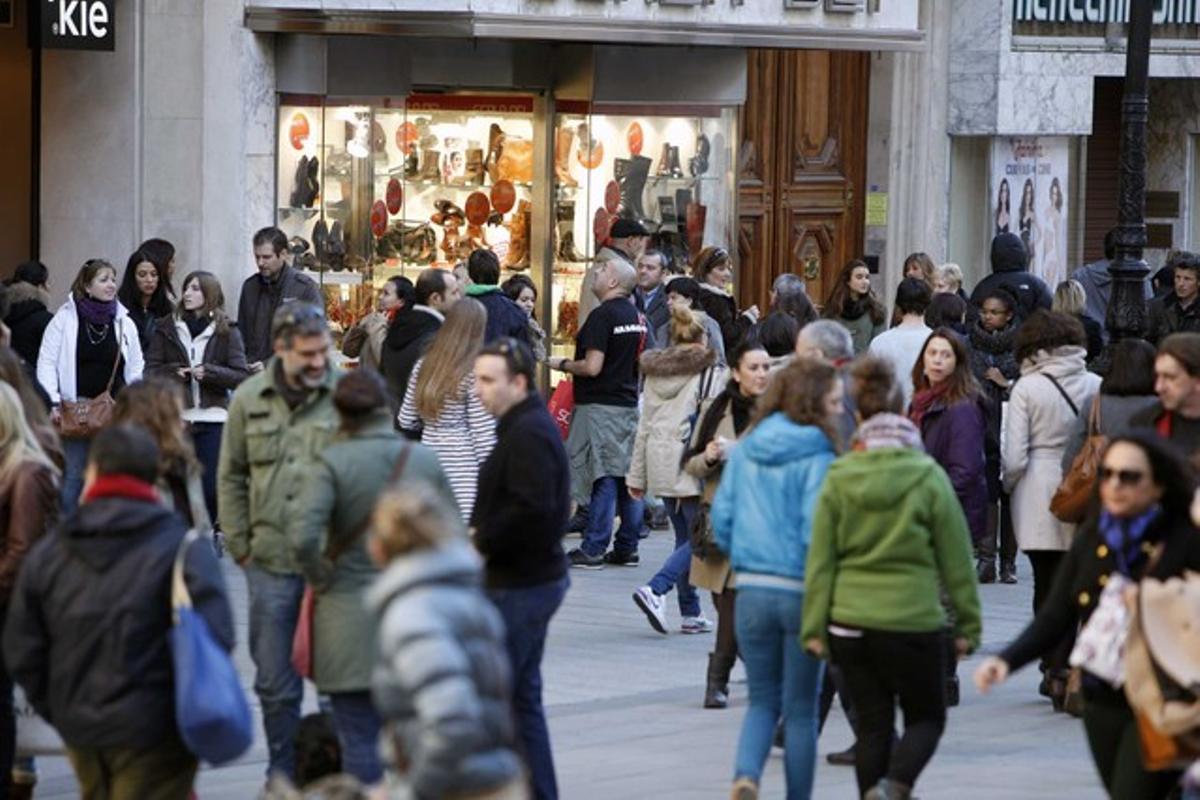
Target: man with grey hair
{"points": [[277, 420], [827, 340], [603, 428]]}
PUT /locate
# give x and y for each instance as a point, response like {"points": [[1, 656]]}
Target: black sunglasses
{"points": [[1125, 477]]}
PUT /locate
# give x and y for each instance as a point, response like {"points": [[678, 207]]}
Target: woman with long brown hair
{"points": [[713, 270], [199, 349], [440, 405], [853, 303]]}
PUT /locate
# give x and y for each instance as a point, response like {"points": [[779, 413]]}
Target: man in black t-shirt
{"points": [[605, 422]]}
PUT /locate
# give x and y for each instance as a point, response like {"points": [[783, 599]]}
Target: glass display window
{"points": [[671, 169]]}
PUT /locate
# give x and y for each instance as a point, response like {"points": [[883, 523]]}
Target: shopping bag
{"points": [[302, 639], [562, 406], [35, 736], [210, 707], [1100, 646]]}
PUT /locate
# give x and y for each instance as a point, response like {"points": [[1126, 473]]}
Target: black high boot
{"points": [[716, 688], [632, 183], [664, 161], [676, 170]]}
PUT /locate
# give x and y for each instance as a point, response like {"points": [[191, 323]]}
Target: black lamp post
{"points": [[1126, 316]]}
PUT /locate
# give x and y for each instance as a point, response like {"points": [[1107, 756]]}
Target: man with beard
{"points": [[277, 420]]}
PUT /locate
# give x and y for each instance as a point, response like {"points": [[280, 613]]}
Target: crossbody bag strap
{"points": [[120, 337], [1063, 392], [337, 548], [1094, 417]]}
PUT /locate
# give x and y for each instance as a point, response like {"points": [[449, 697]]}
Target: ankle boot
{"points": [[716, 689], [664, 161], [676, 171], [320, 239], [1008, 571], [985, 570], [431, 166], [563, 142], [888, 789], [565, 230], [631, 178], [335, 248], [518, 250]]}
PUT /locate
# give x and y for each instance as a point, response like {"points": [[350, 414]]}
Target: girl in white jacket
{"points": [[90, 347]]}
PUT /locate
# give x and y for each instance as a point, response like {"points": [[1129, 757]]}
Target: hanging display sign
{"points": [[78, 25], [1029, 197]]}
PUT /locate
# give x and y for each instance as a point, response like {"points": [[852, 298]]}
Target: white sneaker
{"points": [[651, 605], [695, 625]]}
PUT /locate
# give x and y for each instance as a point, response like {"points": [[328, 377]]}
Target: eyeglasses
{"points": [[1125, 477]]}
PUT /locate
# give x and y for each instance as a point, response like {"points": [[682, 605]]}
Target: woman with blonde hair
{"points": [[440, 405], [1071, 299], [156, 406], [678, 379], [29, 498], [198, 348]]}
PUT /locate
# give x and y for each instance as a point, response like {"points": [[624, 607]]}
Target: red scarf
{"points": [[117, 485], [1163, 425], [924, 400], [391, 314]]}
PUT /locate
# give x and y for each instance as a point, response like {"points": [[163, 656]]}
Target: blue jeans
{"points": [[357, 726], [783, 681], [608, 496], [274, 609], [75, 452], [674, 571], [206, 439], [527, 612]]}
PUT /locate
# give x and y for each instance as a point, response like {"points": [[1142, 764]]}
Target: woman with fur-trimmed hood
{"points": [[677, 380], [29, 310]]}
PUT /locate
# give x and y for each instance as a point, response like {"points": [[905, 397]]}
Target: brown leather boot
{"points": [[563, 143]]}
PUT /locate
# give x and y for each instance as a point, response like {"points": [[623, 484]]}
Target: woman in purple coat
{"points": [[947, 407]]}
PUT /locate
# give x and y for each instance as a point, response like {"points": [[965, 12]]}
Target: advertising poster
{"points": [[1029, 198]]}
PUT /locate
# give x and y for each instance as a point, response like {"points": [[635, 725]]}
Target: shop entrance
{"points": [[802, 168]]}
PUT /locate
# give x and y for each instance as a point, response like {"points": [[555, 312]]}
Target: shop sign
{"points": [[78, 24], [1030, 194], [1103, 12]]}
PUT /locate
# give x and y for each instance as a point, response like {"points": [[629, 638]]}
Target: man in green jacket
{"points": [[279, 420]]}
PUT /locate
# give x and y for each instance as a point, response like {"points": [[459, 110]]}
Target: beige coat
{"points": [[678, 379], [714, 573], [1037, 425]]}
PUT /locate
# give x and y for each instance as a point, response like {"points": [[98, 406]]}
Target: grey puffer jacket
{"points": [[442, 681]]}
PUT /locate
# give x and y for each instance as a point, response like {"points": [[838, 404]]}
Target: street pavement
{"points": [[626, 721]]}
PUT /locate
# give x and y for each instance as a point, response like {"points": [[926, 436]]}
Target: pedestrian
{"points": [[89, 348], [275, 283], [435, 291], [1176, 416], [33, 401], [789, 297], [441, 681], [853, 303], [887, 509], [901, 345], [29, 502], [762, 517], [146, 293], [948, 279], [829, 341], [156, 406], [684, 291], [948, 410], [1126, 392], [1010, 269], [627, 240], [278, 419], [328, 545], [519, 520], [504, 318], [993, 336], [521, 289], [365, 339], [721, 422], [441, 407], [920, 266], [600, 443], [1177, 311], [199, 349], [650, 296], [677, 380], [1141, 530], [778, 334], [1097, 281], [1070, 299], [1054, 386], [947, 311], [29, 309], [713, 270], [87, 631]]}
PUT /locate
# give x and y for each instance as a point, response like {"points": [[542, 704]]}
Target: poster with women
{"points": [[1029, 198]]}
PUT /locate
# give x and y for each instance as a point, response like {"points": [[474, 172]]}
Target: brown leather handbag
{"points": [[1070, 501], [83, 419]]}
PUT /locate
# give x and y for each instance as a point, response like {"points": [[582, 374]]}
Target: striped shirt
{"points": [[462, 436]]}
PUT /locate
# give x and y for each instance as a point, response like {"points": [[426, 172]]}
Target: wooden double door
{"points": [[801, 169]]}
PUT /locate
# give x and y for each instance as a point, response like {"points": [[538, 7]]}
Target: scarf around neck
{"points": [[195, 323], [887, 430], [118, 485], [1125, 536], [924, 400], [1001, 341], [96, 312]]}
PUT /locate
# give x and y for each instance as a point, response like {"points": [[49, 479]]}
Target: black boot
{"points": [[888, 789], [1008, 571], [698, 164], [631, 175], [676, 170], [985, 569], [716, 688], [664, 161]]}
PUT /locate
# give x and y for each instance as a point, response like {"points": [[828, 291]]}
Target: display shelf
{"points": [[427, 184], [331, 278], [684, 179], [299, 210]]}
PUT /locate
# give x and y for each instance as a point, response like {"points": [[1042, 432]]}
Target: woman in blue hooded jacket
{"points": [[762, 517]]}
